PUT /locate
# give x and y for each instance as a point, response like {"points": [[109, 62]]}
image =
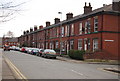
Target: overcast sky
{"points": [[37, 12]]}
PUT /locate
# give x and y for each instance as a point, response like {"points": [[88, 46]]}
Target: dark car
{"points": [[35, 51], [6, 48]]}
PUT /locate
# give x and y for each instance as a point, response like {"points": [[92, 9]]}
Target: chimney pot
{"points": [[57, 20], [69, 16], [31, 29], [87, 9], [35, 28], [27, 31], [40, 27], [116, 5], [47, 23]]}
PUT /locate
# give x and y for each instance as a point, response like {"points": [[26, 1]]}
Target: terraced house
{"points": [[95, 31]]}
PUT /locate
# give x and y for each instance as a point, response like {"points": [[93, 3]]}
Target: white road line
{"points": [[77, 72]]}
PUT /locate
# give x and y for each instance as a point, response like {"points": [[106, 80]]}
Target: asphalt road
{"points": [[34, 67]]}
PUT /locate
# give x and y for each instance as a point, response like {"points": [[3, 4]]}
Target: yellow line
{"points": [[14, 68]]}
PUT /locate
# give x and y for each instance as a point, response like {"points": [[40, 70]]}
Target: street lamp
{"points": [[60, 33]]}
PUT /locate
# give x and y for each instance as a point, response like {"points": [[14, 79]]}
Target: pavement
{"points": [[7, 73]]}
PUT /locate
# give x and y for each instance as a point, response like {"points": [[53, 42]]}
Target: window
{"points": [[80, 28], [46, 45], [62, 32], [56, 45], [62, 46], [88, 44], [95, 44], [95, 24], [79, 44], [57, 32], [87, 27], [51, 45], [72, 29], [68, 30], [71, 44]]}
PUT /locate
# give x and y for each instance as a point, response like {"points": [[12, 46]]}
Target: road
{"points": [[34, 67]]}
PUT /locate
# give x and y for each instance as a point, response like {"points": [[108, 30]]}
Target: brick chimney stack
{"points": [[24, 32], [116, 5], [47, 23], [35, 28], [40, 27], [27, 31], [69, 16], [57, 20], [31, 29], [87, 9]]}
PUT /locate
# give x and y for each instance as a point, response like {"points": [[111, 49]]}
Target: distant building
{"points": [[10, 41], [95, 31]]}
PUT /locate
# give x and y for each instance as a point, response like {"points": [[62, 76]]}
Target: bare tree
{"points": [[8, 9]]}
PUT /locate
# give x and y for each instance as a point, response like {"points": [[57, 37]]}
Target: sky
{"points": [[37, 12]]}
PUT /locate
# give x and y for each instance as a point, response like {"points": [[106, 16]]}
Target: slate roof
{"points": [[106, 8]]}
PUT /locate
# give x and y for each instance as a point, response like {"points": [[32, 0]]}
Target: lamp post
{"points": [[60, 32]]}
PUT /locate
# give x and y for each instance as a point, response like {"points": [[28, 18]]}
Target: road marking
{"points": [[77, 72], [14, 68]]}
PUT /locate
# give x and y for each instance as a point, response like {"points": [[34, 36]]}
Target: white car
{"points": [[49, 53]]}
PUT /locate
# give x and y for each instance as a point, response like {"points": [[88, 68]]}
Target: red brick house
{"points": [[11, 41], [95, 31]]}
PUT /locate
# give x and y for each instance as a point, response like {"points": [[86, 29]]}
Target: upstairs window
{"points": [[87, 27], [68, 30], [80, 28], [62, 32], [72, 29], [95, 24]]}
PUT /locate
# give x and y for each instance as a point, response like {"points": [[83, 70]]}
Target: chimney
{"points": [[27, 31], [47, 23], [87, 9], [35, 28], [24, 32], [31, 29], [116, 5], [69, 16], [57, 20], [40, 27]]}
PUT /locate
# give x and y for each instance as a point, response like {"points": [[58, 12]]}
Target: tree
{"points": [[8, 9]]}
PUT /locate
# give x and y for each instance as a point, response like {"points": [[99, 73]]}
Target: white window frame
{"points": [[72, 29], [71, 43], [62, 32], [80, 28], [95, 23], [95, 44], [80, 44]]}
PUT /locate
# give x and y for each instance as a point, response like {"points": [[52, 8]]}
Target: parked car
{"points": [[6, 48], [29, 50], [49, 53], [35, 51], [17, 48], [23, 49], [40, 52]]}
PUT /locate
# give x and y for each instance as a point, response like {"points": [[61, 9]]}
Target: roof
{"points": [[104, 9], [14, 39]]}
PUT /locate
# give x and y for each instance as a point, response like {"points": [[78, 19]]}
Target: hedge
{"points": [[76, 54]]}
